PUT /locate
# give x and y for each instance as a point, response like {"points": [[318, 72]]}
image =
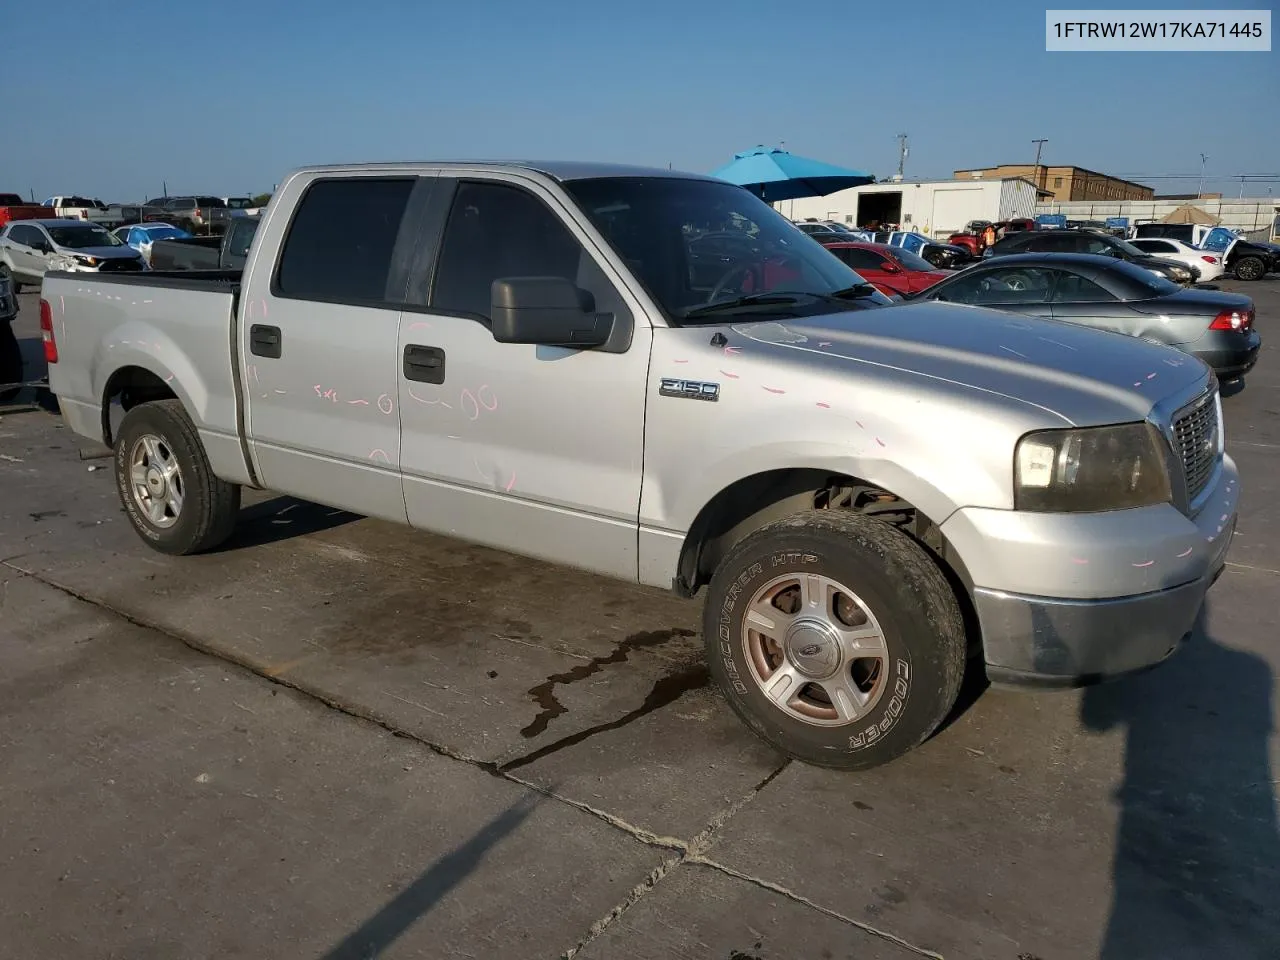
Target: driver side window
{"points": [[495, 231]]}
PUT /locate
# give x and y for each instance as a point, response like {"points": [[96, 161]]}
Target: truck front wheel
{"points": [[166, 485], [835, 638]]}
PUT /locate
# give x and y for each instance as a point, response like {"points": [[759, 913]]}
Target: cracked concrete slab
{"points": [[697, 913], [159, 803]]}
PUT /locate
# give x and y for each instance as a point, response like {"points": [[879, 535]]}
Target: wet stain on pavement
{"points": [[46, 514], [666, 690], [544, 693], [862, 806]]}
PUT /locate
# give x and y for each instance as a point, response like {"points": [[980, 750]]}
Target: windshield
{"points": [[910, 260], [81, 238], [699, 243]]}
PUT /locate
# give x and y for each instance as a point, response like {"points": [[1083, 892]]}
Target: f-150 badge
{"points": [[689, 389]]}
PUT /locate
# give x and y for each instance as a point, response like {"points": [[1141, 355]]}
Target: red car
{"points": [[889, 269]]}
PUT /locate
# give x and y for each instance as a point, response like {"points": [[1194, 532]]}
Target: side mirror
{"points": [[41, 246], [549, 311], [889, 266]]}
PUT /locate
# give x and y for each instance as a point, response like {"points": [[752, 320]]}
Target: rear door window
{"points": [[339, 245]]}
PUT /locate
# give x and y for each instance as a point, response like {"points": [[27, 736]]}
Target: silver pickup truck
{"points": [[656, 377]]}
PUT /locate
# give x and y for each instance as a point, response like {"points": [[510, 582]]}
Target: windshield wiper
{"points": [[752, 300], [859, 291]]}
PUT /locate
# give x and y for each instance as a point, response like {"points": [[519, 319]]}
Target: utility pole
{"points": [[1039, 146], [1200, 189], [902, 153]]}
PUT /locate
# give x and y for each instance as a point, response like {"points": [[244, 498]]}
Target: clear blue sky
{"points": [[225, 96]]}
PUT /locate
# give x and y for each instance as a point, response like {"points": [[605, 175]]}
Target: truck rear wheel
{"points": [[836, 638], [166, 485]]}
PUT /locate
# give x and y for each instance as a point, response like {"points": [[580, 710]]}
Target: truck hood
{"points": [[1079, 375]]}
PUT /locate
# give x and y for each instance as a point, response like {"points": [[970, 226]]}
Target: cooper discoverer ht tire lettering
{"points": [[169, 492], [835, 638]]}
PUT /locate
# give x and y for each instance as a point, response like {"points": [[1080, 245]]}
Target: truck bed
{"points": [[172, 332]]}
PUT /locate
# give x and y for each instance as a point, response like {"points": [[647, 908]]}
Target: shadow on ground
{"points": [[1197, 859], [390, 923], [283, 518]]}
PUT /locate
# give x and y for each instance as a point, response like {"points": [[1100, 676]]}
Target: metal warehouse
{"points": [[933, 207]]}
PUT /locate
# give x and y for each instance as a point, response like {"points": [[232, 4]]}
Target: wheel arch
{"points": [[132, 385], [751, 502]]}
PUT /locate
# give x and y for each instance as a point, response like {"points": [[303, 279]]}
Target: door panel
{"points": [[532, 449], [323, 415]]}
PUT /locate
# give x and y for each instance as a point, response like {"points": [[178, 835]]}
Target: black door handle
{"points": [[265, 341], [423, 364]]}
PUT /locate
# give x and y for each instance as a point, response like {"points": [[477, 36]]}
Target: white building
{"points": [[933, 207]]}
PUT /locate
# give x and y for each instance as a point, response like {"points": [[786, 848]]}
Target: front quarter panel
{"points": [[936, 445]]}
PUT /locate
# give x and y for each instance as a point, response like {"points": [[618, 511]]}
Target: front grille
{"points": [[123, 265], [1195, 436]]}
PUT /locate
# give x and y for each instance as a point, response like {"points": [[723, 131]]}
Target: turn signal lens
{"points": [[1208, 259]]}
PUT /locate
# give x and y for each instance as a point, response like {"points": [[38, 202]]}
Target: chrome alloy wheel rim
{"points": [[155, 481], [815, 649]]}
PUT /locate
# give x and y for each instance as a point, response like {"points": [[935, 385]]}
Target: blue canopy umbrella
{"points": [[773, 174]]}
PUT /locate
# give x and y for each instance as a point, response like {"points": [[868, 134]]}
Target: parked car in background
{"points": [[943, 256], [31, 248], [1089, 241], [74, 207], [141, 236], [196, 215], [821, 231], [226, 252], [1116, 295], [13, 207], [1206, 266], [1243, 259], [946, 256], [870, 495], [891, 270]]}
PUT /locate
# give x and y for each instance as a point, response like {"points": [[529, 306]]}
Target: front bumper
{"points": [[1065, 600]]}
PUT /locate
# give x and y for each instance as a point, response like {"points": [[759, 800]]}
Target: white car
{"points": [[1208, 263]]}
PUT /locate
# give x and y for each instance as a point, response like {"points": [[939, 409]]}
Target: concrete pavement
{"points": [[573, 785]]}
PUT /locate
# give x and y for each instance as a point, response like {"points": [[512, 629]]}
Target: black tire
{"points": [[13, 281], [920, 619], [1249, 268], [210, 505]]}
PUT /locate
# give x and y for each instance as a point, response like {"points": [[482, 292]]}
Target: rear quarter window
{"points": [[339, 244]]}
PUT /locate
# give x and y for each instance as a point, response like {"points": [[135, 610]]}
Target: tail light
{"points": [[1233, 320], [46, 333], [197, 213], [1209, 259]]}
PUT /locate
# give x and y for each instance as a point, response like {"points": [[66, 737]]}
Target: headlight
{"points": [[86, 261], [1090, 470]]}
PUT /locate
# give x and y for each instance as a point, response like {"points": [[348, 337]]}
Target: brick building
{"points": [[1065, 183]]}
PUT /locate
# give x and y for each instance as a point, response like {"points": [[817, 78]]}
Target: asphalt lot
{"points": [[336, 738]]}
